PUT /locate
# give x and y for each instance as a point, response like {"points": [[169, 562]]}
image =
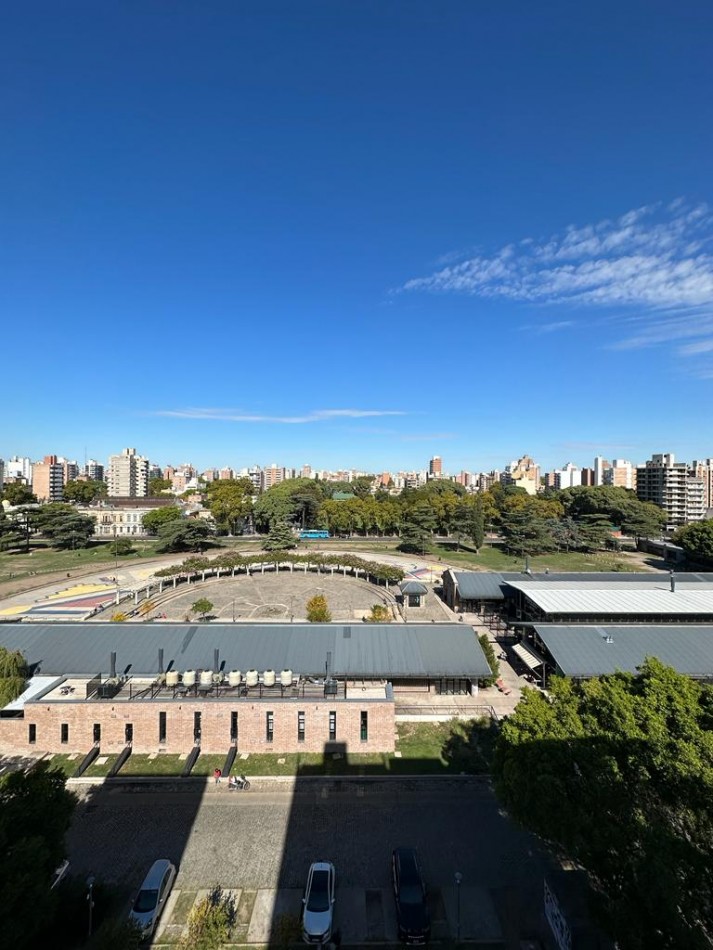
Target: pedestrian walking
{"points": [[217, 774]]}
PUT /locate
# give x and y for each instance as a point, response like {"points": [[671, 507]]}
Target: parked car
{"points": [[412, 914], [152, 897], [318, 903]]}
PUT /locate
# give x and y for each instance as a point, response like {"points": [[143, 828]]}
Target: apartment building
{"points": [[703, 469], [93, 471], [18, 469], [569, 476], [48, 479], [128, 475], [523, 473], [435, 467], [674, 487], [618, 472]]}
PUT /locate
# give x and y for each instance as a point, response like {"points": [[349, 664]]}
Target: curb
{"points": [[192, 781]]}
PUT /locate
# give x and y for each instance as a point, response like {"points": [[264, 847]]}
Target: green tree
{"points": [[280, 538], [210, 922], [492, 659], [230, 501], [64, 527], [84, 492], [35, 812], [202, 606], [188, 534], [296, 500], [696, 540], [120, 547], [157, 486], [11, 533], [524, 533], [418, 525], [154, 520], [18, 494], [318, 609], [617, 774], [13, 675]]}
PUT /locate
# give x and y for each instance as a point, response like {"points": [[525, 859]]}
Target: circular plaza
{"points": [[272, 596]]}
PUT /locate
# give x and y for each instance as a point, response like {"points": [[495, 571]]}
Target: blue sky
{"points": [[356, 234]]}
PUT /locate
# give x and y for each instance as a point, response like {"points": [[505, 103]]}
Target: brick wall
{"points": [[113, 719]]}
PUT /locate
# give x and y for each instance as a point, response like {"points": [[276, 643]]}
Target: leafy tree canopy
{"points": [[64, 526], [35, 811], [84, 492], [230, 501], [280, 538], [188, 534], [159, 485], [318, 609], [295, 500], [18, 494], [202, 606], [154, 520], [617, 773], [697, 540]]}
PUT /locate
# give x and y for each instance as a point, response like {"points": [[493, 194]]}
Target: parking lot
{"points": [[260, 844]]}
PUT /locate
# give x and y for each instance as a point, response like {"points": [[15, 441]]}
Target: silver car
{"points": [[318, 903], [152, 897]]}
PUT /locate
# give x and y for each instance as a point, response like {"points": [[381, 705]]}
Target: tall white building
{"points": [[570, 476], [703, 468], [128, 475], [19, 468]]}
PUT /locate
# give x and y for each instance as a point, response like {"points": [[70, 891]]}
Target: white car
{"points": [[318, 903], [152, 897]]}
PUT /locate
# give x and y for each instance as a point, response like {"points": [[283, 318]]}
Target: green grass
{"points": [[162, 765], [495, 559], [183, 906], [68, 766], [43, 560], [98, 771]]}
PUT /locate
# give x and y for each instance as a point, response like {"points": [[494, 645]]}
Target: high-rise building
{"points": [[672, 486], [703, 469], [587, 476], [272, 475], [93, 471], [570, 476], [128, 475], [435, 467], [71, 470], [226, 474], [621, 474], [601, 465], [48, 479], [18, 469]]}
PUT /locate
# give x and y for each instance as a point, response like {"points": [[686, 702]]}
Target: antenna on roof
{"points": [[673, 583]]}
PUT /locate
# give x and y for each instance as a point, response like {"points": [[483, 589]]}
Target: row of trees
{"points": [[697, 540], [233, 561]]}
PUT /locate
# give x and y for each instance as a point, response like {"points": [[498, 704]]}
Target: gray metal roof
{"points": [[358, 650], [491, 585], [627, 599], [584, 650], [413, 587], [479, 585]]}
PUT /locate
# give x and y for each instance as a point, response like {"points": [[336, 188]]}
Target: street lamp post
{"points": [[459, 881], [233, 610], [90, 899]]}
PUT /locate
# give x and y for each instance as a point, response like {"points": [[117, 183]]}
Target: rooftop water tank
{"points": [[268, 678], [206, 678], [286, 678], [251, 678], [189, 678], [234, 678], [172, 678]]}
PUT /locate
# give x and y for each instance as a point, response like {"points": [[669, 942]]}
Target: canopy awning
{"points": [[531, 658]]}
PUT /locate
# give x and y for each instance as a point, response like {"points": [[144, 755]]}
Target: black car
{"points": [[412, 913]]}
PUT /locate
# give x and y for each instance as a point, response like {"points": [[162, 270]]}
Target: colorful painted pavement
{"points": [[74, 603]]}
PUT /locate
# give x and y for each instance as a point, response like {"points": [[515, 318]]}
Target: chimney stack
{"points": [[112, 666], [160, 659], [673, 583], [216, 660]]}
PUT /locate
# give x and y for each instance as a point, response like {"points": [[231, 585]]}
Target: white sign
{"points": [[557, 921]]}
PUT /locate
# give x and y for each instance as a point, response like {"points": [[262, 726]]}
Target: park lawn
{"points": [[44, 560], [493, 558], [455, 746]]}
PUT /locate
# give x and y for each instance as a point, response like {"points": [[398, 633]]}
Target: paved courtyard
{"points": [[260, 844], [272, 596]]}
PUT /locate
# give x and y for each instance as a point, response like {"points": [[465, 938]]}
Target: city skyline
{"points": [[357, 236]]}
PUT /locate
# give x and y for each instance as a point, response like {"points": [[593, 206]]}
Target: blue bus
{"points": [[314, 534]]}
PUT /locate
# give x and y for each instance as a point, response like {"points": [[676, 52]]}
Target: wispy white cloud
{"points": [[316, 415], [653, 263]]}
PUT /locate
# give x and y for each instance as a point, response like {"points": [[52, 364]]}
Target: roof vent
{"points": [[673, 583], [608, 638]]}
